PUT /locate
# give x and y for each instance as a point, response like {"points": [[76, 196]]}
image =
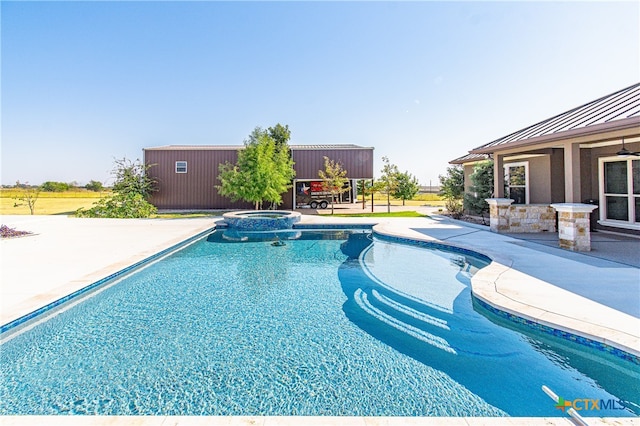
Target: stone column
{"points": [[574, 229], [499, 214]]}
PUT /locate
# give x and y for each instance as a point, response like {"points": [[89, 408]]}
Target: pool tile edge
{"points": [[93, 285]]}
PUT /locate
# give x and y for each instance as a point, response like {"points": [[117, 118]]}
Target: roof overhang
{"points": [[470, 159], [239, 147], [597, 133], [194, 148]]}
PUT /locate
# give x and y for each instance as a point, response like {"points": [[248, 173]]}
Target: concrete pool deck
{"points": [[576, 292]]}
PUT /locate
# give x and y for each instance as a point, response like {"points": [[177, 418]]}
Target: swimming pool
{"points": [[328, 324]]}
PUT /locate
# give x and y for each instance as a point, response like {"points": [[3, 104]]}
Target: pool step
{"points": [[362, 300], [426, 318]]}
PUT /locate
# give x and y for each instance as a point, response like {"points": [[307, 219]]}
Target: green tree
{"points": [[280, 134], [131, 189], [365, 189], [94, 186], [481, 188], [406, 188], [389, 180], [334, 179], [132, 177], [50, 186], [452, 190], [262, 173], [28, 194]]}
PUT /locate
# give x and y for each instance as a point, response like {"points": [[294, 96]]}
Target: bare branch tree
{"points": [[27, 194]]}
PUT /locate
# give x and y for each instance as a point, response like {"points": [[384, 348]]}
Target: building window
{"points": [[181, 167], [516, 182], [619, 182]]}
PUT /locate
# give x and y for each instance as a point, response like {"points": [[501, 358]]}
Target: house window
{"points": [[181, 167], [516, 182], [620, 191]]}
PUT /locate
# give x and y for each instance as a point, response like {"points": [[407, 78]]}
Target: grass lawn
{"points": [[420, 200], [383, 214]]}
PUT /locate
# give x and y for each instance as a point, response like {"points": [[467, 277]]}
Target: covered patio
{"points": [[552, 175]]}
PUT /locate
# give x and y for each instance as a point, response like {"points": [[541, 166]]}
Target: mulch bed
{"points": [[6, 232], [471, 219]]}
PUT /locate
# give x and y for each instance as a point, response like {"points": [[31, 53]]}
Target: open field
{"points": [[48, 202], [69, 201], [381, 214]]}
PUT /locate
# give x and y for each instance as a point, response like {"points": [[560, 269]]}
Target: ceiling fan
{"points": [[624, 152]]}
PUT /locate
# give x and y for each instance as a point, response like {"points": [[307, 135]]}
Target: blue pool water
{"points": [[328, 324]]}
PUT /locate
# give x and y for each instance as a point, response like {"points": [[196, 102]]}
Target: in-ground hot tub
{"points": [[261, 220]]}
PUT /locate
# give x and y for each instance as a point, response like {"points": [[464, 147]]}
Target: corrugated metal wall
{"points": [[196, 188], [357, 162]]}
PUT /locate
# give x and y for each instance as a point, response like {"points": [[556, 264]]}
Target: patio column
{"points": [[499, 214], [574, 225], [498, 176], [572, 173]]}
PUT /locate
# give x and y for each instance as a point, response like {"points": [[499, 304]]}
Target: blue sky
{"points": [[84, 83]]}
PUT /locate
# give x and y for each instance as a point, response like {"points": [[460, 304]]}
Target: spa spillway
{"points": [[261, 220]]}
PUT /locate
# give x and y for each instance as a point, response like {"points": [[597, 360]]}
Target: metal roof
{"points": [[611, 109], [194, 148], [469, 158], [235, 147], [322, 147]]}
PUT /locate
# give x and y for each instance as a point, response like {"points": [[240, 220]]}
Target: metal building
{"points": [[187, 175]]}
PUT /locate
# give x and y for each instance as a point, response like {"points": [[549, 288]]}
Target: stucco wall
{"points": [[540, 175], [468, 171]]}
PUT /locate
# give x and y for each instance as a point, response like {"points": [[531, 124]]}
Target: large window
{"points": [[620, 191], [516, 182]]}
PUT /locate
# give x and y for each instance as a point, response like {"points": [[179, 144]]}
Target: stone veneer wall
{"points": [[531, 218], [527, 218]]}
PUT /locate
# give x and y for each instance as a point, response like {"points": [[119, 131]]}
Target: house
{"points": [[187, 175], [581, 159]]}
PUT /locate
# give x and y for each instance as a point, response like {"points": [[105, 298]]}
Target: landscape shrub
{"points": [[131, 188], [120, 206], [481, 188], [454, 207]]}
